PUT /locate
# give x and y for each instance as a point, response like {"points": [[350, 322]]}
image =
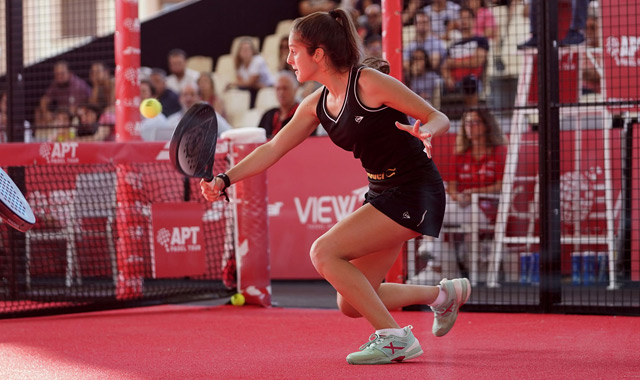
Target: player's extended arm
{"points": [[300, 127]]}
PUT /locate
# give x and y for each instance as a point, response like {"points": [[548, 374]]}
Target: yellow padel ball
{"points": [[237, 299], [150, 108]]}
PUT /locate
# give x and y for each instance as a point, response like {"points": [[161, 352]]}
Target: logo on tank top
{"points": [[359, 119], [406, 215]]}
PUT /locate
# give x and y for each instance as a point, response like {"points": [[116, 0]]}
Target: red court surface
{"points": [[226, 342]]}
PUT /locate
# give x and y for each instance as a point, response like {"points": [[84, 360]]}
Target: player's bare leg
{"points": [[354, 257]]}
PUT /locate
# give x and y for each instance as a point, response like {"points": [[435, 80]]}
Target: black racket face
{"points": [[193, 144], [14, 208]]}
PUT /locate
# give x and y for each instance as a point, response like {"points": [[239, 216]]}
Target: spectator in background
{"points": [[180, 74], [411, 9], [480, 156], [169, 99], [371, 22], [207, 93], [283, 53], [373, 46], [188, 97], [85, 127], [148, 127], [66, 91], [90, 128], [485, 24], [466, 57], [102, 87], [427, 41], [62, 127], [590, 62], [274, 119], [306, 7], [252, 71], [443, 15], [103, 92], [422, 79]]}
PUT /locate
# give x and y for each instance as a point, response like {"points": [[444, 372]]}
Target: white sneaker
{"points": [[458, 292]]}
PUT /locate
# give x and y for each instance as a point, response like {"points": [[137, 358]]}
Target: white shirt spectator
{"points": [[439, 20], [176, 85], [257, 66]]}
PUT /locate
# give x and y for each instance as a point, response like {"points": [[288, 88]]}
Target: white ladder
{"points": [[518, 125]]}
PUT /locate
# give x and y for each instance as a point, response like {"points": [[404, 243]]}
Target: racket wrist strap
{"points": [[225, 179], [227, 183]]}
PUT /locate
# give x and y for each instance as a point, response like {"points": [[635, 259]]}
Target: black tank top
{"points": [[390, 156]]}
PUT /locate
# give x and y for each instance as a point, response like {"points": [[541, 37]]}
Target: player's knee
{"points": [[319, 255], [346, 308]]}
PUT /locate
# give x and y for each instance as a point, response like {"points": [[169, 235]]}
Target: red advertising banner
{"points": [[178, 240], [621, 52], [310, 189], [569, 76]]}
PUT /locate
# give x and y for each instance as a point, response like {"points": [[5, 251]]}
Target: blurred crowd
{"points": [[451, 51]]}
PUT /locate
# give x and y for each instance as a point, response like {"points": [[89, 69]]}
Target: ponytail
{"points": [[335, 33]]}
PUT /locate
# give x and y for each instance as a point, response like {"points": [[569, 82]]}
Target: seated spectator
{"points": [[180, 74], [480, 156], [485, 24], [411, 9], [207, 92], [85, 126], [169, 99], [443, 15], [66, 91], [275, 119], [306, 7], [149, 126], [62, 129], [426, 40], [590, 63], [90, 128], [188, 97], [373, 46], [423, 80], [283, 54], [371, 22], [102, 87], [465, 57], [252, 71]]}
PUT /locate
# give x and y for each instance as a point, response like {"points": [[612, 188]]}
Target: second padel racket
{"points": [[14, 209]]}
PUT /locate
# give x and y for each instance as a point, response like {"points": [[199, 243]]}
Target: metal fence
{"points": [[543, 215], [542, 212]]}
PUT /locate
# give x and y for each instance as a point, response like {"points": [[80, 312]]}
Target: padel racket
{"points": [[14, 209], [193, 143]]}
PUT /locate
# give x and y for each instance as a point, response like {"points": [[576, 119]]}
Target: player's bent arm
{"points": [[376, 89], [301, 125]]}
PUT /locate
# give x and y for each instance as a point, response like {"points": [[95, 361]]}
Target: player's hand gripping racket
{"points": [[193, 143], [14, 209]]}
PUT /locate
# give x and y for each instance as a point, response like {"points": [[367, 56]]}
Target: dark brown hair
{"points": [[335, 33], [493, 134]]}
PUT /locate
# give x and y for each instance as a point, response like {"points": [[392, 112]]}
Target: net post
{"points": [[249, 198]]}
